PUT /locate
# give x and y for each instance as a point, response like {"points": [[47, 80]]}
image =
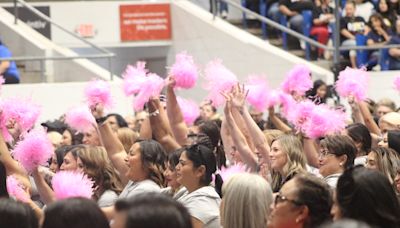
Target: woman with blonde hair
{"points": [[127, 137], [383, 160], [94, 162], [287, 160], [246, 202]]}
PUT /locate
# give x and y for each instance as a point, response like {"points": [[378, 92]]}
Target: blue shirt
{"points": [[394, 63], [12, 69]]}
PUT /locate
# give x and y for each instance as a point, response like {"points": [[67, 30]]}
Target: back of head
{"points": [[74, 212], [394, 140], [15, 214], [98, 166], [153, 158], [391, 118], [127, 137], [246, 202], [360, 134], [316, 195], [292, 146], [153, 210], [212, 130], [368, 196], [386, 101]]}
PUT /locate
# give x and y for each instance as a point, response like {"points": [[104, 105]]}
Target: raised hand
{"points": [[97, 111], [228, 102], [171, 82], [239, 94]]}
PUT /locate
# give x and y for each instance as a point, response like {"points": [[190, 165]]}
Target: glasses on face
{"points": [[324, 153], [279, 198]]}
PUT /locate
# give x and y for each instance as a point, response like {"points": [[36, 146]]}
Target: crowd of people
{"points": [[236, 170], [377, 20]]}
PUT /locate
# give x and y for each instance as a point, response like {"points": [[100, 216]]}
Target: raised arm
{"points": [[257, 136], [11, 165], [174, 113], [368, 119], [311, 152], [226, 139], [45, 192], [115, 149], [239, 140], [279, 124], [160, 127]]}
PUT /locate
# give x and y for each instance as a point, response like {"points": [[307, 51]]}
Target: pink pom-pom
{"points": [[190, 110], [133, 78], [34, 150], [258, 92], [23, 111], [16, 190], [397, 83], [353, 82], [219, 79], [300, 113], [138, 82], [184, 71], [323, 121], [80, 119], [98, 92], [151, 87], [68, 184], [298, 80], [227, 173], [277, 97]]}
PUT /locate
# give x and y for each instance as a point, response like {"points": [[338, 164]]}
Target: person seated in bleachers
{"points": [[379, 35], [350, 25], [293, 9], [394, 53], [8, 68], [322, 16], [388, 14]]}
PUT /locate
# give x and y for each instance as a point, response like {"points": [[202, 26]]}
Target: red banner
{"points": [[145, 22]]}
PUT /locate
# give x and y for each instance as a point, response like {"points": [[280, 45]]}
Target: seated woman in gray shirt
{"points": [[194, 171]]}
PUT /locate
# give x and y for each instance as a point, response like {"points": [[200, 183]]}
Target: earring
{"points": [[297, 220], [341, 164]]}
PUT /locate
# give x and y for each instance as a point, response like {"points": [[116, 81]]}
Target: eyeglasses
{"points": [[324, 153], [279, 198]]}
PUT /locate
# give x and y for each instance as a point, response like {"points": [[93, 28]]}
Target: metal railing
{"points": [[104, 54], [336, 49]]}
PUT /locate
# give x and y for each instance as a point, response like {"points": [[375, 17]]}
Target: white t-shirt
{"points": [[107, 199], [360, 160], [175, 195], [203, 204], [332, 180], [134, 188]]}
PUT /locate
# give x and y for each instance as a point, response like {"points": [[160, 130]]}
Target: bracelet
{"points": [[101, 120], [155, 113]]}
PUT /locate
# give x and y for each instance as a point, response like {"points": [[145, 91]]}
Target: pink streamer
{"points": [[218, 79], [98, 92], [353, 82], [23, 111], [258, 92], [184, 71], [227, 173], [190, 110], [80, 119], [68, 184], [144, 86], [16, 190], [298, 80], [34, 150]]}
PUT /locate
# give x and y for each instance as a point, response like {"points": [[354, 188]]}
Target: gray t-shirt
{"points": [[134, 188], [107, 199], [175, 195], [203, 204]]}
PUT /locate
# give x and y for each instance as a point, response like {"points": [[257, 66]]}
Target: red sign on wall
{"points": [[145, 22]]}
